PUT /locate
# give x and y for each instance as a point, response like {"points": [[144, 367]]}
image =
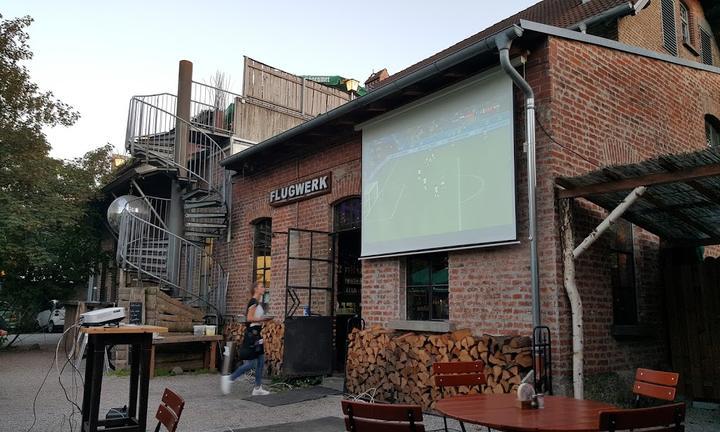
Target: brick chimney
{"points": [[372, 82]]}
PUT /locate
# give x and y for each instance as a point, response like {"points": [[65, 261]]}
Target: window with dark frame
{"points": [[262, 242], [712, 131], [622, 264], [685, 23], [427, 287]]}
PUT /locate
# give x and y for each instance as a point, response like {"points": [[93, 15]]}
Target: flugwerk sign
{"points": [[302, 190]]}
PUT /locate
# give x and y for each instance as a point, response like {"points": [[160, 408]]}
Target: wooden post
{"points": [[570, 254], [573, 296]]}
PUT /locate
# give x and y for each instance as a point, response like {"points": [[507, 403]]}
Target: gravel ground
{"points": [[22, 371]]}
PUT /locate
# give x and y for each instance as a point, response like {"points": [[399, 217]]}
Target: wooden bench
{"points": [[177, 338]]}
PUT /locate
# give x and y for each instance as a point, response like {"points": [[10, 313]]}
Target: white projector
{"points": [[102, 317]]}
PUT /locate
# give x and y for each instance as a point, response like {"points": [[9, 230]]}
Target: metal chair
{"points": [[370, 417], [655, 385], [666, 418], [169, 411], [458, 374]]}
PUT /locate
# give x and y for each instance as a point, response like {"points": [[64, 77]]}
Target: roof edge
{"points": [[611, 44], [427, 71]]}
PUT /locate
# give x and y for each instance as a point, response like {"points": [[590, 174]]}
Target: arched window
{"points": [[347, 214], [712, 131], [262, 242]]}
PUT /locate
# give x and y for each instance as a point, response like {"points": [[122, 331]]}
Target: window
{"points": [[622, 264], [347, 214], [712, 131], [262, 242], [668, 22], [685, 23], [706, 47], [427, 287]]}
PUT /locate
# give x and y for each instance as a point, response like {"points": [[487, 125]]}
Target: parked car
{"points": [[53, 318], [8, 317]]}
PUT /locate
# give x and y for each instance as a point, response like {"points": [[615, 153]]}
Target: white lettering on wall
{"points": [[306, 189]]}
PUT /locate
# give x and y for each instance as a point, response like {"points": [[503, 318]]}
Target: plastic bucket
{"points": [[210, 330], [199, 330]]}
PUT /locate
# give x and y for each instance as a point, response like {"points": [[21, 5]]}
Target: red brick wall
{"points": [[251, 202], [609, 108], [645, 30], [601, 107]]}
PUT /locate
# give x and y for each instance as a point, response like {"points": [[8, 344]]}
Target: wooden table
{"points": [[140, 340], [174, 338], [499, 412]]}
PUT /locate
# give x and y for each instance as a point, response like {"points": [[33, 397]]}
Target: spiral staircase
{"points": [[180, 263]]}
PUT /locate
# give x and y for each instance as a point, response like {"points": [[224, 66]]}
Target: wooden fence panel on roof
{"points": [[289, 91]]}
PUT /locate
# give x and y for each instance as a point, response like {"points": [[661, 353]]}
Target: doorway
{"points": [[348, 312]]}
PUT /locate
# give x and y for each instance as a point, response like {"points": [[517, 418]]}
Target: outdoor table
{"points": [[500, 412], [140, 340]]}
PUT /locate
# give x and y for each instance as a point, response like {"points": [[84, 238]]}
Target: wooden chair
{"points": [[665, 418], [371, 417], [458, 374], [169, 411], [655, 385]]}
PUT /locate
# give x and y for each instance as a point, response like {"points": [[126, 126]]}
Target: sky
{"points": [[95, 55]]}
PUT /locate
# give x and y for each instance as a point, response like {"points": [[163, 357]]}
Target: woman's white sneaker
{"points": [[259, 391]]}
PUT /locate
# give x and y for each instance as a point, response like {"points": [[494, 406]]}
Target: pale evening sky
{"points": [[95, 55]]}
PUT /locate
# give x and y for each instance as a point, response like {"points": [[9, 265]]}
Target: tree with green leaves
{"points": [[50, 224]]}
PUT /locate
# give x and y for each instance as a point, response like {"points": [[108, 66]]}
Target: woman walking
{"points": [[252, 351]]}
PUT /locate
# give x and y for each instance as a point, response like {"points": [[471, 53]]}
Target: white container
{"points": [[199, 330], [210, 330]]}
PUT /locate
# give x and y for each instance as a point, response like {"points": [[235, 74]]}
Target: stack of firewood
{"points": [[399, 367], [273, 337]]}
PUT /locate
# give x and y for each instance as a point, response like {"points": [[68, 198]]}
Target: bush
{"points": [[611, 387]]}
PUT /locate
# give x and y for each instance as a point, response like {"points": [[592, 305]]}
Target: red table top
{"points": [[499, 411]]}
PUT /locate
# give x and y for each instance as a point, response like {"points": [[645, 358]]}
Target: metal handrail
{"points": [[213, 107], [205, 168], [143, 245]]}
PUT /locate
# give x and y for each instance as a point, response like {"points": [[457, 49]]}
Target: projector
{"points": [[102, 317]]}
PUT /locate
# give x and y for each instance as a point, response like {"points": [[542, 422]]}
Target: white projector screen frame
{"points": [[487, 101]]}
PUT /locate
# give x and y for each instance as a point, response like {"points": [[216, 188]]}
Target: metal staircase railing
{"points": [[144, 241], [143, 247], [151, 131]]}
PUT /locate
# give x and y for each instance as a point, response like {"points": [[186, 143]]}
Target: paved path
{"points": [[207, 410]]}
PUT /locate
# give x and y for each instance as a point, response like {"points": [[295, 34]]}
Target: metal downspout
{"points": [[504, 42]]}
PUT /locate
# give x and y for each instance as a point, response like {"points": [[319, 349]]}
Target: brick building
{"points": [[615, 82]]}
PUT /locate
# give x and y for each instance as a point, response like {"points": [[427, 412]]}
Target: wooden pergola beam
{"points": [[682, 175], [677, 214]]}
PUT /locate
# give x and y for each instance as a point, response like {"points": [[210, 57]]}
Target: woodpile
{"points": [[273, 333], [273, 338], [399, 367], [165, 311]]}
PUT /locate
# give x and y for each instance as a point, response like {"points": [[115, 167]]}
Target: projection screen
{"points": [[440, 174]]}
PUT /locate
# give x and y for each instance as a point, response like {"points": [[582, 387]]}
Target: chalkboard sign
{"points": [[136, 312]]}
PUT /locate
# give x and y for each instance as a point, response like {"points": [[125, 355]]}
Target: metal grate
{"points": [[706, 47], [669, 32]]}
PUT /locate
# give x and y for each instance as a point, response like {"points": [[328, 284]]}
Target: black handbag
{"points": [[251, 347]]}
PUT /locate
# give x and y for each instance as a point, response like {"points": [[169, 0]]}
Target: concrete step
{"points": [[205, 225], [201, 235], [209, 215], [200, 204]]}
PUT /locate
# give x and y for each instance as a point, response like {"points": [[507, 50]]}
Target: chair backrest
{"points": [[371, 417], [169, 411], [666, 418], [655, 384], [456, 374]]}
